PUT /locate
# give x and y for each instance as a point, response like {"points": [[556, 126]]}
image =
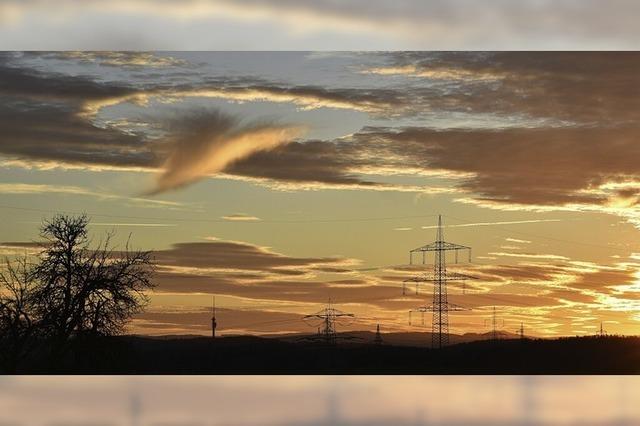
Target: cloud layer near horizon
{"points": [[265, 291], [557, 296]]}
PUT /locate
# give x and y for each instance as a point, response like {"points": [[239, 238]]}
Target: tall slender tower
{"points": [[440, 305], [214, 324], [378, 339], [602, 332]]}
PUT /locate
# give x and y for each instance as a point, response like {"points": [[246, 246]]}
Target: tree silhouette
{"points": [[16, 311], [75, 290]]}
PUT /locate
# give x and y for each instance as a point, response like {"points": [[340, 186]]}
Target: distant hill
{"points": [[291, 355], [416, 339]]}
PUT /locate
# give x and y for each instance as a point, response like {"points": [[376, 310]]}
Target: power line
{"points": [[294, 221], [219, 220], [529, 234]]}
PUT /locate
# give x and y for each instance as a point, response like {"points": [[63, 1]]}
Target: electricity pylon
{"points": [[494, 324], [440, 305], [326, 321]]}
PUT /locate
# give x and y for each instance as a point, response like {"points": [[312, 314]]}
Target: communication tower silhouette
{"points": [[521, 330], [602, 332], [440, 305], [378, 339], [214, 323]]}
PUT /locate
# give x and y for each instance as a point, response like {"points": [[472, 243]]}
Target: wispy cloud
{"points": [[39, 189], [499, 223], [517, 240], [120, 58], [530, 255], [241, 217], [141, 225]]}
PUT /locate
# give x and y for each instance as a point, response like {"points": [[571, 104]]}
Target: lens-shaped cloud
{"points": [[209, 142]]}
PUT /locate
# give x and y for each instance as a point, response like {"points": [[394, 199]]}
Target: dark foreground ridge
{"points": [[261, 355]]}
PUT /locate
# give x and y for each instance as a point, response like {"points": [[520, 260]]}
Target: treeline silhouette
{"points": [[268, 355], [56, 310]]}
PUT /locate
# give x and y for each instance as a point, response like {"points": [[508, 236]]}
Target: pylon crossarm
{"points": [[439, 246], [422, 309], [453, 307], [457, 276], [447, 276], [421, 279], [313, 316]]}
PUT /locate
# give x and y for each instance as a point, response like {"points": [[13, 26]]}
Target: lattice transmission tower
{"points": [[495, 323], [326, 321], [440, 306]]}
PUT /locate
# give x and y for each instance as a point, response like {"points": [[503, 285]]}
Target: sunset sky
{"points": [[279, 180]]}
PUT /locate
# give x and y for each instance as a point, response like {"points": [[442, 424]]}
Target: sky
{"points": [[279, 180]]}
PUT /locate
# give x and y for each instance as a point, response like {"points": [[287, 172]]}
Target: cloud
{"points": [[116, 59], [584, 168], [505, 163], [509, 222], [35, 189], [54, 132], [207, 143], [517, 240], [31, 84], [292, 24], [237, 256], [141, 225], [377, 102], [588, 168], [585, 88], [530, 255], [241, 217], [586, 138], [20, 248], [281, 288]]}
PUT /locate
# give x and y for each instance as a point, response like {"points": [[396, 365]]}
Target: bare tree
{"points": [[17, 307], [76, 288]]}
